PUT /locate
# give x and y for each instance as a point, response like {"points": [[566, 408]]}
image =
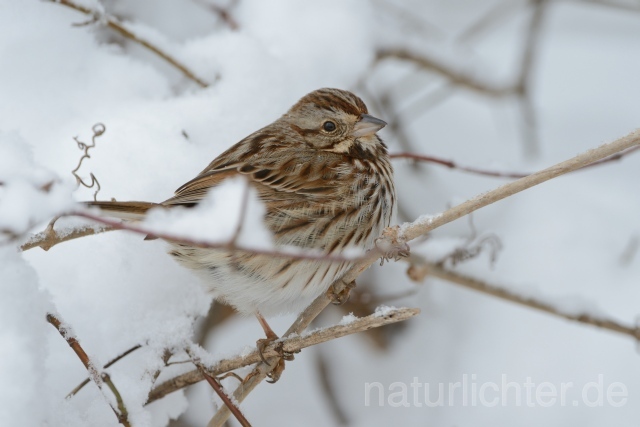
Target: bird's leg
{"points": [[262, 344], [340, 297]]}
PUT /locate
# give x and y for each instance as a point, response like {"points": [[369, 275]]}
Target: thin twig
{"points": [[437, 270], [288, 345], [118, 27], [497, 13], [217, 387], [324, 372], [222, 12], [493, 173], [95, 373], [227, 245], [109, 363], [48, 239], [527, 63], [395, 238], [454, 76]]}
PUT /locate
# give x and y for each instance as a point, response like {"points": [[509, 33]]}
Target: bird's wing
{"points": [[278, 171]]}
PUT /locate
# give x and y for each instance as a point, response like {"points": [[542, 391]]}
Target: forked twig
{"points": [[96, 375], [108, 364]]}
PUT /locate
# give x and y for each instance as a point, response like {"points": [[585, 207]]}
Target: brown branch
{"points": [[289, 345], [109, 363], [454, 76], [423, 226], [394, 240], [436, 270], [95, 374], [222, 12], [49, 238], [324, 373], [493, 173], [217, 387], [120, 28], [230, 245]]}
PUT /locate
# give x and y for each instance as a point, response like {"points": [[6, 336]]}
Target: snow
{"points": [[30, 194], [562, 242], [229, 209], [384, 310], [347, 319]]}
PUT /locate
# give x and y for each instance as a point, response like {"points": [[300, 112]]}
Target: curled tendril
{"points": [[98, 130]]}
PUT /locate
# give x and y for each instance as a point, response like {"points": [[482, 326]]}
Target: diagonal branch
{"points": [[456, 77], [426, 269], [394, 240], [289, 345], [98, 377], [120, 28]]}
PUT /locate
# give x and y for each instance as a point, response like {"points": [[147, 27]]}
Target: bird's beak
{"points": [[367, 125]]}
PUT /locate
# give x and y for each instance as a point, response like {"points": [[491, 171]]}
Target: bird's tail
{"points": [[124, 210]]}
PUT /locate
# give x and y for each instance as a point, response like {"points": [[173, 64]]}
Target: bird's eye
{"points": [[329, 126]]}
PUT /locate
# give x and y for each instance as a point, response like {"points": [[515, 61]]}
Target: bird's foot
{"points": [[340, 297]]}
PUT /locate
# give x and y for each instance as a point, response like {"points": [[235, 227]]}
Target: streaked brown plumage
{"points": [[326, 180]]}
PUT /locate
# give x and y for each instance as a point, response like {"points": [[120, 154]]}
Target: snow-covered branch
{"points": [[120, 28], [291, 344]]}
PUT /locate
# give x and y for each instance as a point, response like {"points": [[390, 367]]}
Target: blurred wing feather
{"points": [[275, 180]]}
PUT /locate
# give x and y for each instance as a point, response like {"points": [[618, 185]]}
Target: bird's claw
{"points": [[276, 372], [342, 296]]}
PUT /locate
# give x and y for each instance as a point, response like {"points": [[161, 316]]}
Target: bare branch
{"points": [[217, 387], [289, 345], [49, 238], [394, 239], [120, 28], [230, 245], [222, 12], [425, 225], [440, 272], [454, 76], [98, 377], [109, 363], [493, 173]]}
